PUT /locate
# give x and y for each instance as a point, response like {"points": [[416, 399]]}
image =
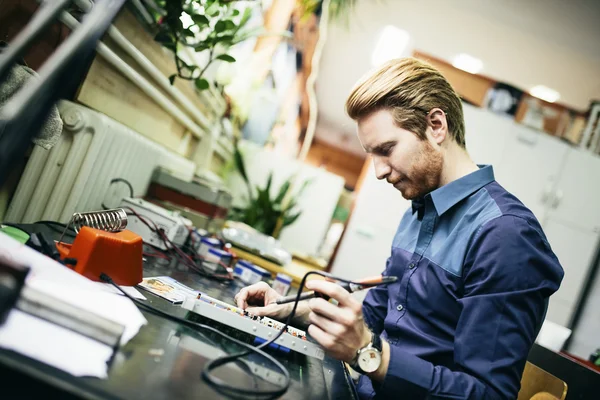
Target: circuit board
{"points": [[263, 327]]}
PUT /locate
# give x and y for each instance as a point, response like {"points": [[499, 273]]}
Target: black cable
{"points": [[50, 224], [263, 393], [221, 385], [115, 180]]}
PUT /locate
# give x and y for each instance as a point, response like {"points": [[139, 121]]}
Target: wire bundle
{"points": [[193, 262]]}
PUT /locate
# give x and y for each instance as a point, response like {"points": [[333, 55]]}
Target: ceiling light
{"points": [[468, 63], [544, 93], [392, 44]]}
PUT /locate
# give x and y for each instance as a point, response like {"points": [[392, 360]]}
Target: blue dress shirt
{"points": [[475, 272]]}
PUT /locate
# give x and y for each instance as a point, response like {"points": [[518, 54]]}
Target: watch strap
{"points": [[376, 342]]}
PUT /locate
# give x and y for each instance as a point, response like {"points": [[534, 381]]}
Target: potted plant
{"points": [[262, 210]]}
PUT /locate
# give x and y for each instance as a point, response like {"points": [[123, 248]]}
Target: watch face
{"points": [[369, 360]]}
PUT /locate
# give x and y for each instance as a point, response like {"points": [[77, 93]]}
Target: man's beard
{"points": [[426, 173]]}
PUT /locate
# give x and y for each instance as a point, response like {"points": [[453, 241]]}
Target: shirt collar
{"points": [[449, 195]]}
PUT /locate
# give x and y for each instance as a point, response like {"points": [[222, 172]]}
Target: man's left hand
{"points": [[340, 329]]}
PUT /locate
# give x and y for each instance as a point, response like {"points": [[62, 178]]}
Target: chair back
{"points": [[535, 380]]}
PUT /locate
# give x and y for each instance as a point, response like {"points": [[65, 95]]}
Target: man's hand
{"points": [[260, 299], [340, 329]]}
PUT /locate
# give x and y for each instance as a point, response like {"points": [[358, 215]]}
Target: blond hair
{"points": [[409, 88]]}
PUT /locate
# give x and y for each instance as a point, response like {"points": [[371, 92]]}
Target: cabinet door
{"points": [[486, 134], [577, 196], [573, 226], [575, 248], [530, 166]]}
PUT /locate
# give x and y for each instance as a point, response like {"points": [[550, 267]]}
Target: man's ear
{"points": [[438, 125]]}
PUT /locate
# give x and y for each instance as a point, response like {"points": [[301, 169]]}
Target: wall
{"points": [[336, 161]]}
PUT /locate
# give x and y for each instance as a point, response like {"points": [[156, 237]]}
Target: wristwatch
{"points": [[368, 358]]}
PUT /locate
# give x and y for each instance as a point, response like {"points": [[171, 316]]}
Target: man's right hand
{"points": [[260, 299]]}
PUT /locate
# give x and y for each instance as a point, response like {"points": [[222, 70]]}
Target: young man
{"points": [[474, 268]]}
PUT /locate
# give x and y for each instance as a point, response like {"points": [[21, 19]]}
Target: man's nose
{"points": [[382, 168]]}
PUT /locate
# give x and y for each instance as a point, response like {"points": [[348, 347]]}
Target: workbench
{"points": [[165, 359]]}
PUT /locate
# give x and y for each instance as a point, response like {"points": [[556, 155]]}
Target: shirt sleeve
{"points": [[509, 273], [375, 305]]}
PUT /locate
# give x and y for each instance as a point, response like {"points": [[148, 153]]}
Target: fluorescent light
{"points": [[392, 44], [545, 93], [468, 63]]}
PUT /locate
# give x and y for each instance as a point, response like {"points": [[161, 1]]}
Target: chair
{"points": [[535, 381]]}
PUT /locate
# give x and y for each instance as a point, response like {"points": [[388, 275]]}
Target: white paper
{"points": [[47, 342], [54, 345]]}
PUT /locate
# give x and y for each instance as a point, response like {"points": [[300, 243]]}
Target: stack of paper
{"points": [[53, 344]]}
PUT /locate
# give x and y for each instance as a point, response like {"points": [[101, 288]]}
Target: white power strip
{"points": [[175, 226]]}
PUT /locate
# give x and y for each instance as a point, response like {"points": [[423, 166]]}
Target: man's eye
{"points": [[386, 151]]}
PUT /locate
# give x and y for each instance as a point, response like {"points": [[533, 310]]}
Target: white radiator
{"points": [[75, 175]]}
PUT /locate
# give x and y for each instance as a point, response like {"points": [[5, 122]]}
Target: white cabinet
{"points": [[572, 225], [560, 185], [577, 196], [530, 166]]}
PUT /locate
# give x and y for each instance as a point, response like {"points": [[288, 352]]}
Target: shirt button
{"points": [[411, 265], [400, 307]]}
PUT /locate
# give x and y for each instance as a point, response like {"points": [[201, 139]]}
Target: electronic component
{"points": [[204, 202], [262, 327], [174, 225]]}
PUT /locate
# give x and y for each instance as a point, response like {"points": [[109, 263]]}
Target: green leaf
{"points": [[172, 79], [290, 219], [163, 37], [211, 8], [282, 191], [202, 46], [305, 184], [200, 19], [188, 33], [220, 26], [269, 182], [224, 39], [262, 201], [226, 58], [201, 84], [245, 17], [229, 25], [236, 13], [248, 33], [239, 163]]}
